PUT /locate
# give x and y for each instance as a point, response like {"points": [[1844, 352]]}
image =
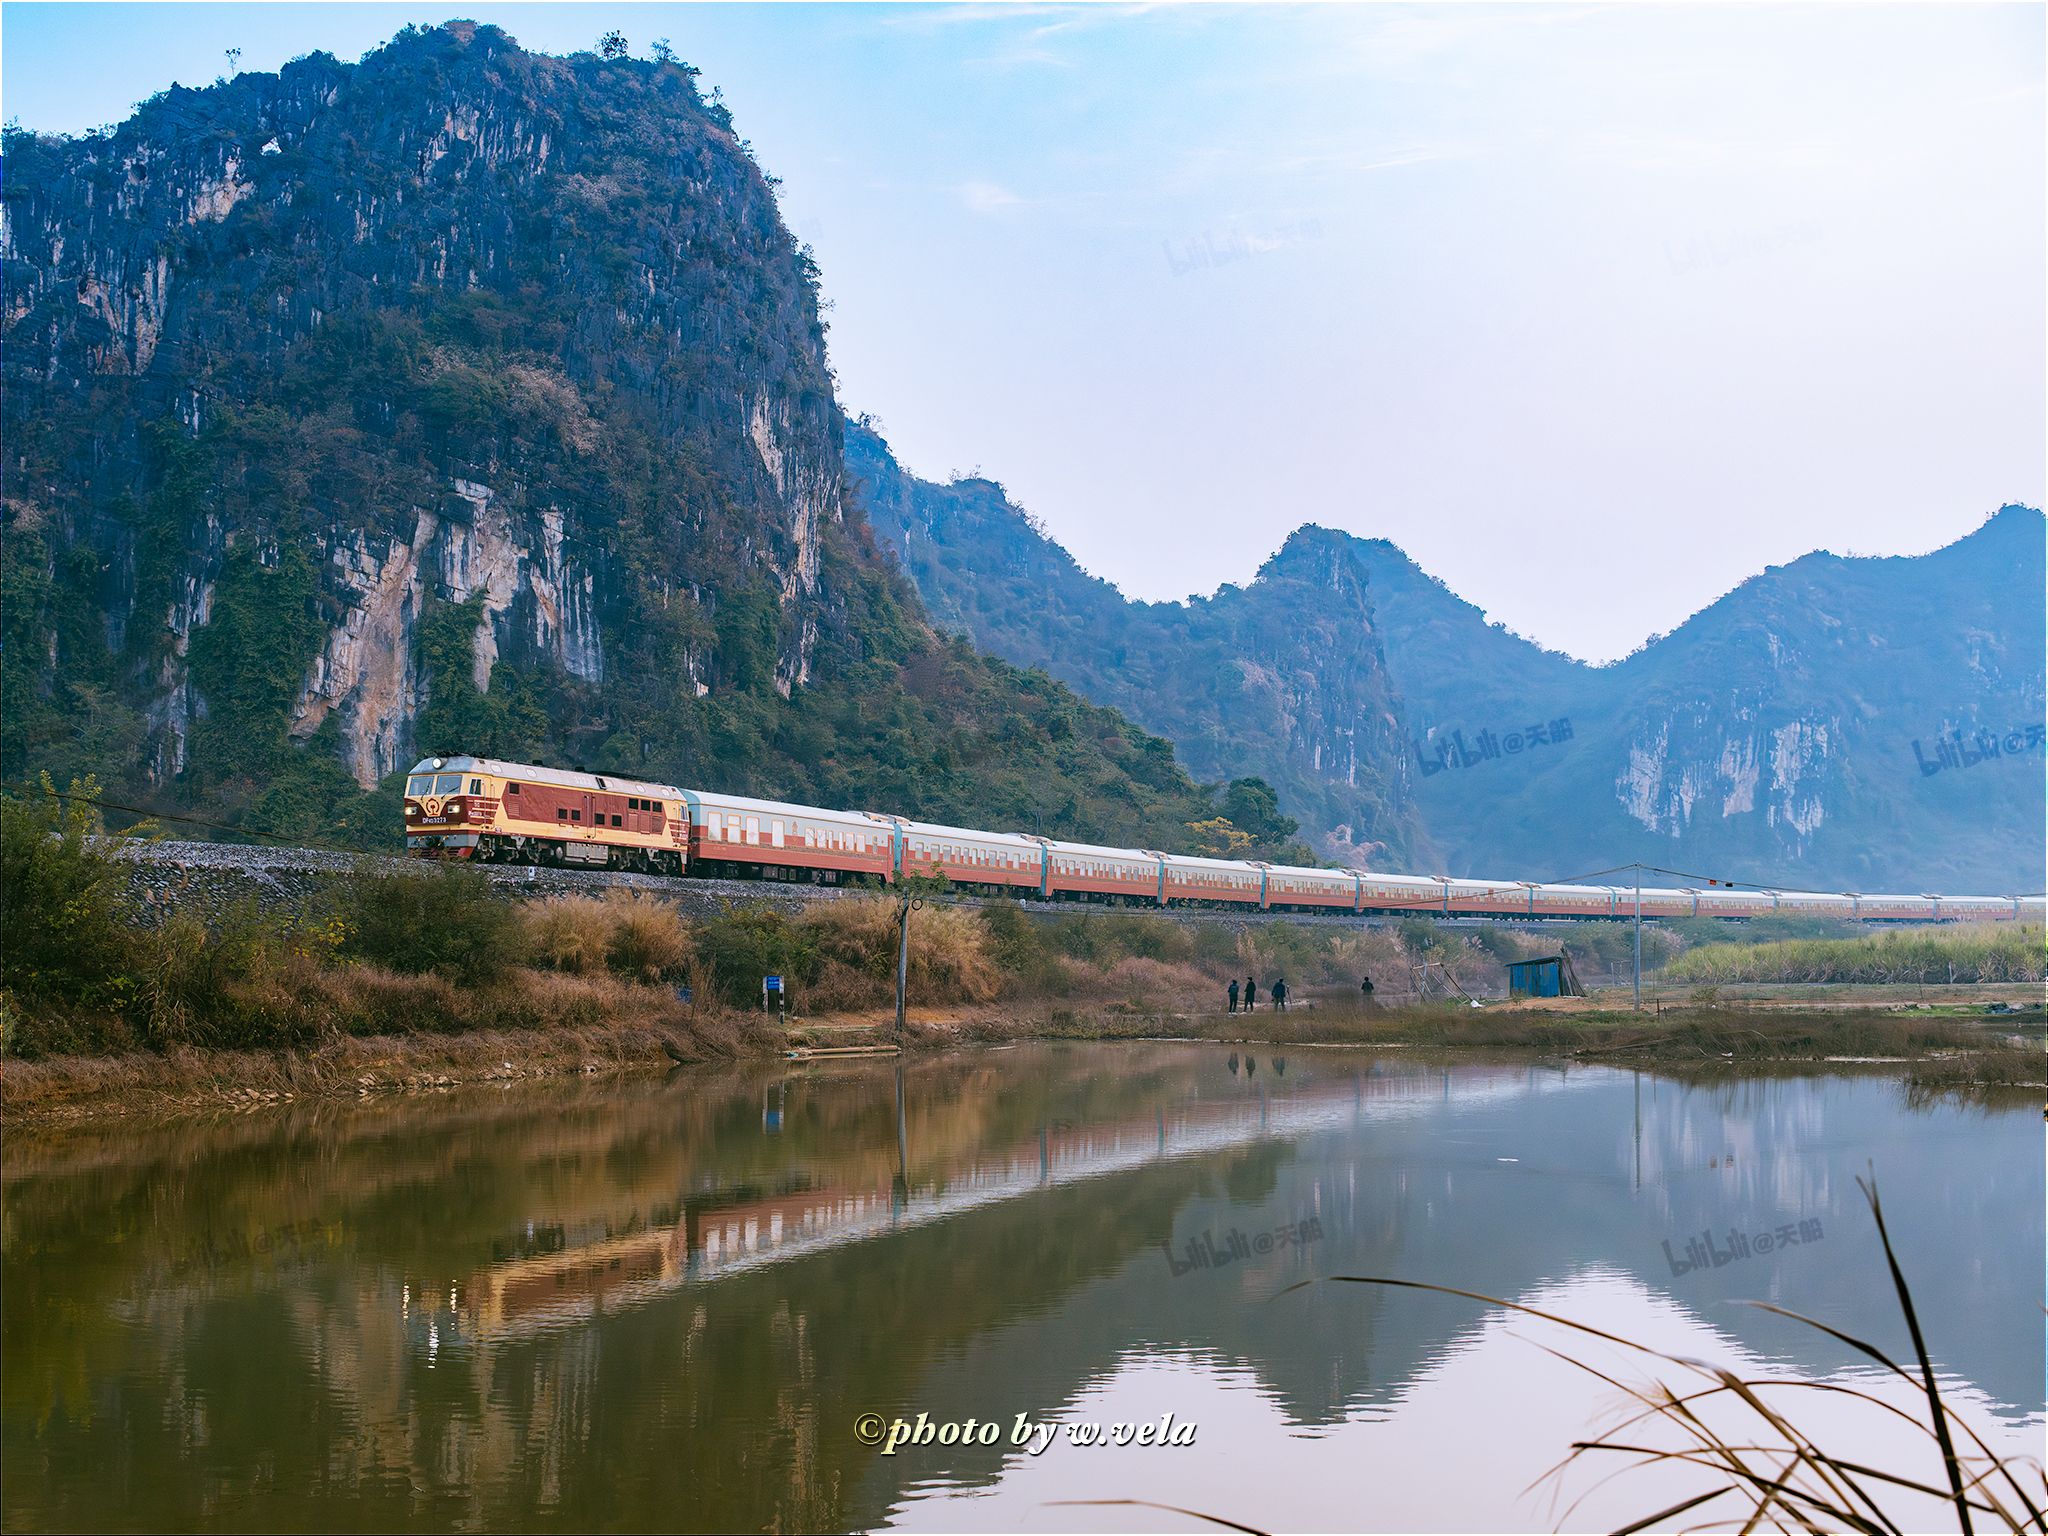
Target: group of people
{"points": [[1248, 996]]}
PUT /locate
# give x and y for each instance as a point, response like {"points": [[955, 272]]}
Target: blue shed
{"points": [[1543, 976]]}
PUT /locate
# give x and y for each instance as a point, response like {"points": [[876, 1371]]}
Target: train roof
{"points": [[567, 778], [1201, 861], [975, 834], [1469, 882], [1096, 851], [1302, 869], [697, 799]]}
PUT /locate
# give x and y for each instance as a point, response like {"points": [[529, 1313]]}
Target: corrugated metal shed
{"points": [[1543, 976]]}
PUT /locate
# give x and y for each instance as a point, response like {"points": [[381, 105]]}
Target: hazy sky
{"points": [[1595, 310]]}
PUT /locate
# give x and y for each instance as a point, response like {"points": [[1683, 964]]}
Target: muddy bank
{"points": [[1936, 1053], [69, 1088]]}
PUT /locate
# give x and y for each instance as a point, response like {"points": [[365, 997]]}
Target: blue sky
{"points": [[1595, 310]]}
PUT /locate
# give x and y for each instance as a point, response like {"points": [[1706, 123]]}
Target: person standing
{"points": [[1233, 994], [1251, 995], [1279, 991], [1365, 990]]}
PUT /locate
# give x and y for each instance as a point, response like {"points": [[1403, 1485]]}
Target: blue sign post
{"points": [[771, 986]]}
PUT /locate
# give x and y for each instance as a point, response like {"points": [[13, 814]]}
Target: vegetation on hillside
{"points": [[577, 328]]}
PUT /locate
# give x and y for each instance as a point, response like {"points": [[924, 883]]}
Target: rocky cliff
{"points": [[466, 397]]}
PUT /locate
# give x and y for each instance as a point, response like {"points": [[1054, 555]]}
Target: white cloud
{"points": [[987, 197]]}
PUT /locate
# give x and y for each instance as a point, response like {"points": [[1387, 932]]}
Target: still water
{"points": [[667, 1305]]}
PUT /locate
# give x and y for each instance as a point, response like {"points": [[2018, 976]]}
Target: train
{"points": [[489, 812]]}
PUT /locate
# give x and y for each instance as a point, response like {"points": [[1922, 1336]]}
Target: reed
{"points": [[628, 933], [1976, 953], [1764, 1471]]}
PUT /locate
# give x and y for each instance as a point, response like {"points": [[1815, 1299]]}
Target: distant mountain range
{"points": [[1842, 722], [466, 397]]}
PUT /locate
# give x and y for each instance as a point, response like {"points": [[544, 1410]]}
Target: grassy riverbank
{"points": [[418, 977]]}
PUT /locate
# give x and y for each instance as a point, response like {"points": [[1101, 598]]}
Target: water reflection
{"points": [[662, 1305]]}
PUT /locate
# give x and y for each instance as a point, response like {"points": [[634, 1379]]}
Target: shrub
{"points": [[647, 940], [448, 923], [566, 933], [60, 889], [741, 946], [1016, 945]]}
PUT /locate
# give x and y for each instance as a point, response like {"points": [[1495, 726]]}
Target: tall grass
{"points": [[1764, 1470], [627, 933], [1979, 952]]}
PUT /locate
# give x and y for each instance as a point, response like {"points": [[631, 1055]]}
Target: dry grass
{"points": [[1973, 1072], [631, 933], [1702, 1035], [1764, 1471], [1974, 952], [855, 944], [1771, 1473], [364, 1029]]}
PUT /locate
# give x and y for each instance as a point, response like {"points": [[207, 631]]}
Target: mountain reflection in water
{"points": [[663, 1305]]}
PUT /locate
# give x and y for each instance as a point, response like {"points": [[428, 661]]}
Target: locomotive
{"points": [[490, 812]]}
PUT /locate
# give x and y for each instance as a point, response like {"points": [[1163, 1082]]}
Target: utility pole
{"points": [[904, 908], [1639, 938]]}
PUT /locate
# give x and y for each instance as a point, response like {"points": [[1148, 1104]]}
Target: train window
{"points": [[561, 813], [575, 815], [711, 823], [476, 786], [618, 821], [753, 829], [775, 833], [511, 789]]}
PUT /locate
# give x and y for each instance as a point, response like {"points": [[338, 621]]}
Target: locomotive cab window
{"points": [[476, 786]]}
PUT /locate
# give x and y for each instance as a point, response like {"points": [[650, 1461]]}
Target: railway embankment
{"points": [[148, 975]]}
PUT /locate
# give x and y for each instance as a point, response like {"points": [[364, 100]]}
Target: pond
{"points": [[694, 1303]]}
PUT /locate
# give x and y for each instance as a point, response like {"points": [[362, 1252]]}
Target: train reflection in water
{"points": [[737, 1228]]}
